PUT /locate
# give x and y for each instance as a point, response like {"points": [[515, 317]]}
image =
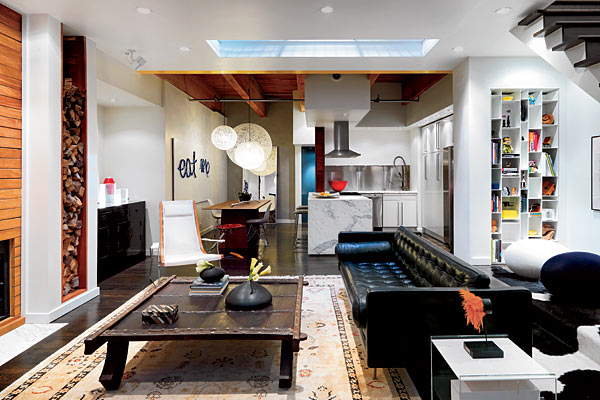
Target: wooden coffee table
{"points": [[204, 318]]}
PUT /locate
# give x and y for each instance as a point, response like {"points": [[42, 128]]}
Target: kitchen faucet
{"points": [[401, 173]]}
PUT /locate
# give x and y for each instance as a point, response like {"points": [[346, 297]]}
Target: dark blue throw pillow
{"points": [[574, 276]]}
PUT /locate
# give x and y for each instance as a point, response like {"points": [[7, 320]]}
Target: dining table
{"points": [[238, 212]]}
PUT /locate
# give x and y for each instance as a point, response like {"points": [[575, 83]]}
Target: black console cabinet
{"points": [[121, 238]]}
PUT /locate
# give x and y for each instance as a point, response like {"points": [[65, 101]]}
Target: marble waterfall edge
{"points": [[328, 217]]}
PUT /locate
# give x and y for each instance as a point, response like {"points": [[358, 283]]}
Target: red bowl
{"points": [[338, 186]]}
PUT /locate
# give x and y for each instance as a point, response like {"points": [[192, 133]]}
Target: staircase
{"points": [[567, 35], [579, 22]]}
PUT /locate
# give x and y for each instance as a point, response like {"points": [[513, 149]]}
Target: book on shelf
{"points": [[496, 250], [510, 171], [495, 153], [496, 205], [549, 165], [534, 140]]}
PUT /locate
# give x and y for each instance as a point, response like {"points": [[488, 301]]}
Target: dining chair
{"points": [[257, 226]]}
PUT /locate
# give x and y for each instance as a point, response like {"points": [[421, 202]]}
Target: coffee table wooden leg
{"points": [[114, 365], [287, 361]]}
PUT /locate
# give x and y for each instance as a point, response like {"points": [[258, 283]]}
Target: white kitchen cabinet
{"points": [[399, 210]]}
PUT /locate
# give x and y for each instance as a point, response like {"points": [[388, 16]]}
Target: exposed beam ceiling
{"points": [[300, 78], [372, 78], [195, 87], [419, 84], [247, 88]]}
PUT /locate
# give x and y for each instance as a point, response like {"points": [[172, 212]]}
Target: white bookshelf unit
{"points": [[524, 192]]}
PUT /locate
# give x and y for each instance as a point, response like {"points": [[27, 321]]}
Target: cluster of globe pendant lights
{"points": [[247, 145]]}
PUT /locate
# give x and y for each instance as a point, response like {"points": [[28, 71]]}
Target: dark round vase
{"points": [[212, 274], [248, 296]]}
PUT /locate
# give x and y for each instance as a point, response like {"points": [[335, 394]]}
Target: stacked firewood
{"points": [[73, 183]]}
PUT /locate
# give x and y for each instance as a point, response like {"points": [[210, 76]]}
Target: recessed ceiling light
{"points": [[457, 49], [185, 49], [503, 10], [144, 10], [327, 10], [113, 100]]}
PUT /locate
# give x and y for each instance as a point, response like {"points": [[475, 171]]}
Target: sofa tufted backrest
{"points": [[430, 266]]}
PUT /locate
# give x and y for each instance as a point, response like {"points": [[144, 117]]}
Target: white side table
{"points": [[516, 376]]}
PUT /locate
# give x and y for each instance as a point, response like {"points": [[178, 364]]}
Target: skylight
{"points": [[322, 48]]}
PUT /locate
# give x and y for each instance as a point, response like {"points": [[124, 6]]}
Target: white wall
{"points": [[132, 152], [579, 117], [42, 202], [191, 124], [377, 146], [119, 75]]}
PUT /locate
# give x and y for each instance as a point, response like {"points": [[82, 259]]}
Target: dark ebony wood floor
{"points": [[280, 254]]}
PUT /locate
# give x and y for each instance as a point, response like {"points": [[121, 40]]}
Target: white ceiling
{"points": [[115, 26]]}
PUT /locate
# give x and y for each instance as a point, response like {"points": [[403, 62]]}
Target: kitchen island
{"points": [[329, 216]]}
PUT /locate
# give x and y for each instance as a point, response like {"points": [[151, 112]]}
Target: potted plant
{"points": [[244, 196], [208, 272], [250, 295]]}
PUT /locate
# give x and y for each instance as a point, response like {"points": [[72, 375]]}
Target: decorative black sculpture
{"points": [[249, 295], [212, 274]]}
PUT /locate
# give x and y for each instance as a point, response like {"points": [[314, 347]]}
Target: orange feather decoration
{"points": [[473, 306]]}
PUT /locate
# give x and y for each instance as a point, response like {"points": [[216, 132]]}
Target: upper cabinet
{"points": [[445, 133]]}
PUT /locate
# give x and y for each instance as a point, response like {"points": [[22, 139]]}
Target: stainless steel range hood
{"points": [[341, 141]]}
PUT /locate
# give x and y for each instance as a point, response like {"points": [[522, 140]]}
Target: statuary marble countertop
{"points": [[329, 216]]}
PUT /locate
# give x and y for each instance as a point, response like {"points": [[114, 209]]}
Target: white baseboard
{"points": [[46, 318], [285, 221]]}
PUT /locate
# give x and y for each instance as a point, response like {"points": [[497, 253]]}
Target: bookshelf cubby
{"points": [[524, 166]]}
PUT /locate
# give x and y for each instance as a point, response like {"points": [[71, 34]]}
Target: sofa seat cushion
{"points": [[360, 277]]}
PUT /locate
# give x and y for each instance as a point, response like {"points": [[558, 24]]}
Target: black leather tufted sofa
{"points": [[403, 290]]}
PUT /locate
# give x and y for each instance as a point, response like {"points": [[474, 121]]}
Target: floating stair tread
{"points": [[580, 39], [564, 46], [570, 11], [531, 18], [588, 62], [568, 24]]}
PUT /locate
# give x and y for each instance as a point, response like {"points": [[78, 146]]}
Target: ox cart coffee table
{"points": [[204, 318]]}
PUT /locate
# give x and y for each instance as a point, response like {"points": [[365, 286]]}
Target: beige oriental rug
{"points": [[329, 366]]}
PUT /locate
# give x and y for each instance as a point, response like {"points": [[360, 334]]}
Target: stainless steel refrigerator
{"points": [[438, 181]]}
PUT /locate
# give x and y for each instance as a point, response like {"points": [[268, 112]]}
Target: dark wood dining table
{"points": [[236, 212]]}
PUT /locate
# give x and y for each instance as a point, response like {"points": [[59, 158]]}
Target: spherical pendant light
{"points": [[223, 137], [249, 155], [251, 133], [268, 166]]}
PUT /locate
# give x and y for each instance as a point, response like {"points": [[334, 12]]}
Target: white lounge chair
{"points": [[180, 239]]}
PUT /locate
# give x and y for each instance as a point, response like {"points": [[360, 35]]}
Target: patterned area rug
{"points": [[329, 366]]}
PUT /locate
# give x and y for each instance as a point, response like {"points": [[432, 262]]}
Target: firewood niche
{"points": [[74, 168]]}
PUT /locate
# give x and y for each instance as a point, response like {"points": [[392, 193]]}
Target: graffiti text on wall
{"points": [[187, 168]]}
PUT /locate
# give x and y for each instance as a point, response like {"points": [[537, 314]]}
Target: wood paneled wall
{"points": [[10, 153]]}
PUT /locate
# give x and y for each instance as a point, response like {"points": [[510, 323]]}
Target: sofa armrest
{"points": [[344, 237], [380, 251]]}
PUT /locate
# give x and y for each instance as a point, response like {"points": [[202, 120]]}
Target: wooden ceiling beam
{"points": [[413, 87], [248, 88], [196, 88], [372, 78], [300, 79]]}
